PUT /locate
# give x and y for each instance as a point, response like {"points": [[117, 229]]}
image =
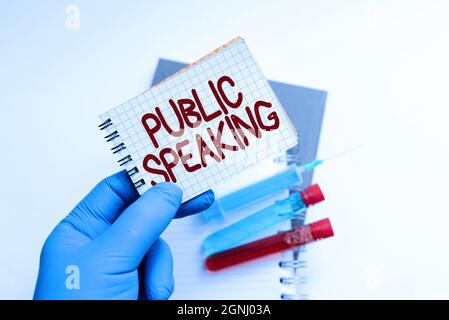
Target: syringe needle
{"points": [[339, 154], [312, 164]]}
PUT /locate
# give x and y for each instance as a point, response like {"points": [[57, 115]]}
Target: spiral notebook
{"points": [[275, 277], [201, 126]]}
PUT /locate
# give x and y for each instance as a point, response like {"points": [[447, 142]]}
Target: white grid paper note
{"points": [[233, 60]]}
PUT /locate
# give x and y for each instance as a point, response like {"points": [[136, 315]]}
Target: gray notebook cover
{"points": [[305, 107]]}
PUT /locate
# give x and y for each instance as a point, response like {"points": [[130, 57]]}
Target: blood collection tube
{"points": [[285, 179], [285, 240]]}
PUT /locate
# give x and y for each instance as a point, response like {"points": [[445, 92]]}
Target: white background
{"points": [[384, 64]]}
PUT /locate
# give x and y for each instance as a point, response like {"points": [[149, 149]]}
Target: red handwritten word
{"points": [[190, 114]]}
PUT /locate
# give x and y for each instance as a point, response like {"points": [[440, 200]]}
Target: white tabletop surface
{"points": [[383, 63]]}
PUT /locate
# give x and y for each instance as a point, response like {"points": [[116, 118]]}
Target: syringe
{"points": [[281, 210], [285, 179]]}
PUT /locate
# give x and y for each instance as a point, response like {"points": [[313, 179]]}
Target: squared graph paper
{"points": [[123, 129]]}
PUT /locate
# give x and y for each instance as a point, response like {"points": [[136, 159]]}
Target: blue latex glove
{"points": [[108, 247]]}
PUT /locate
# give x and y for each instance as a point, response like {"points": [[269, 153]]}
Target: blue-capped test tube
{"points": [[281, 210], [285, 179]]}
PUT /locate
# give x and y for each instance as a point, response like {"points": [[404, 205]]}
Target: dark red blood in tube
{"points": [[276, 243]]}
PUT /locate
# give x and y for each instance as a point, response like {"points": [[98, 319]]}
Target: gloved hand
{"points": [[108, 247]]}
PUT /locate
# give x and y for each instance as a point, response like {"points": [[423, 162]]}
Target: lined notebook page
{"points": [[135, 146], [259, 279]]}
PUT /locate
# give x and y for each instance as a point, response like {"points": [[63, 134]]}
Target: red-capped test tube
{"points": [[285, 240]]}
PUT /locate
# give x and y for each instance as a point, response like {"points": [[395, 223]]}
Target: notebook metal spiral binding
{"points": [[111, 136], [293, 280], [286, 296], [294, 264], [292, 156]]}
